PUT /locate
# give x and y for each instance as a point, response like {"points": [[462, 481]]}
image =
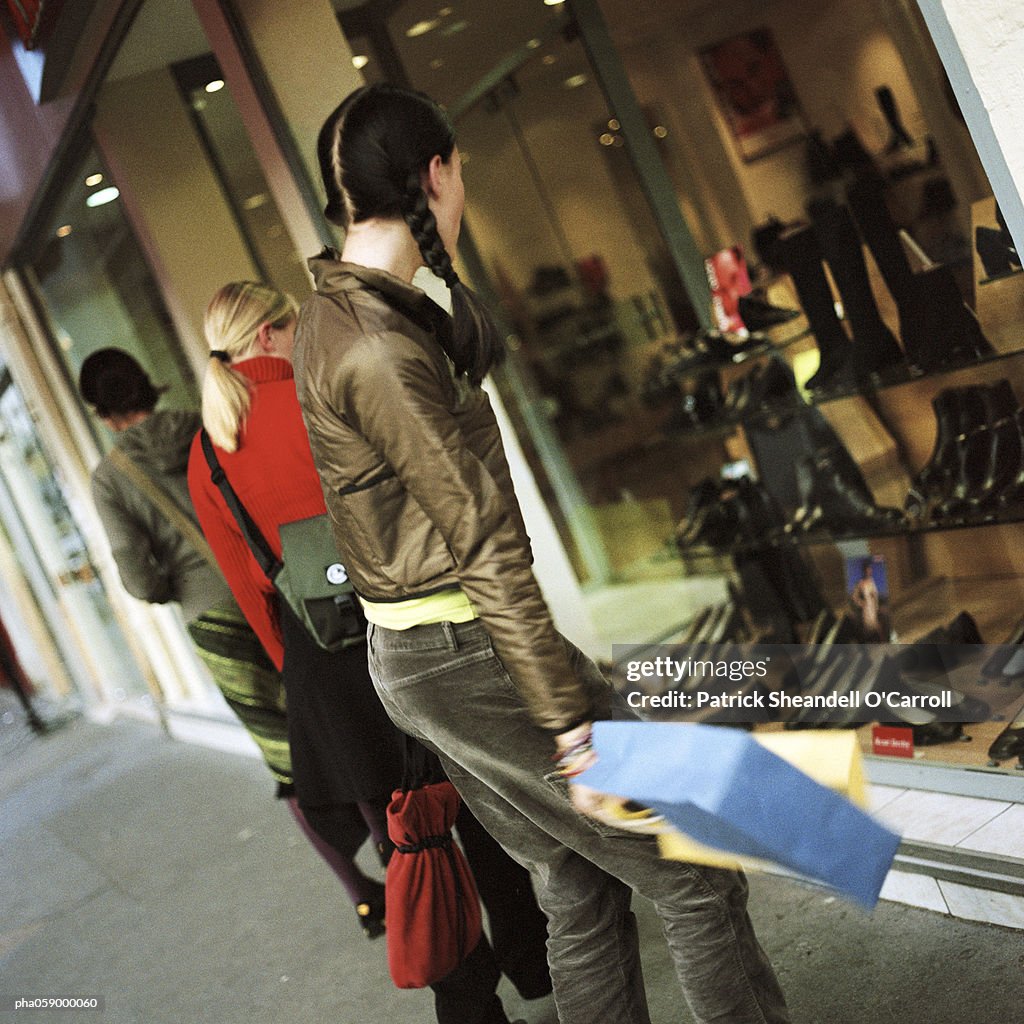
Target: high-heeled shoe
{"points": [[1009, 743], [997, 256], [370, 913], [760, 315]]}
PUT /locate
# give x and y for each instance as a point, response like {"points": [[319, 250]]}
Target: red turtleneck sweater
{"points": [[273, 475]]}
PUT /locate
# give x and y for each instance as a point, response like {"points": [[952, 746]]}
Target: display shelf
{"points": [[1000, 277], [773, 345], [778, 536], [908, 375]]}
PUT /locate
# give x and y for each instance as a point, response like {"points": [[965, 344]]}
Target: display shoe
{"points": [[931, 480], [941, 649], [760, 315], [841, 505], [1009, 743], [702, 498], [997, 256], [724, 348], [1005, 451], [875, 349], [936, 327], [774, 388], [850, 153], [899, 137], [701, 404], [973, 451], [799, 254], [943, 330], [1012, 496], [1006, 664], [737, 396]]}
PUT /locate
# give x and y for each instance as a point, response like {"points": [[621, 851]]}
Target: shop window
{"points": [[219, 126], [97, 286]]}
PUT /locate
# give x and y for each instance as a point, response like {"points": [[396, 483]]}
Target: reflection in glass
{"points": [[98, 289]]}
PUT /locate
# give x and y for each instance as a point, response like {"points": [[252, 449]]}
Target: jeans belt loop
{"points": [[448, 628]]}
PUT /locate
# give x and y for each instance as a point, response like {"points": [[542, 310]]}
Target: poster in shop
{"points": [[728, 278], [754, 92]]}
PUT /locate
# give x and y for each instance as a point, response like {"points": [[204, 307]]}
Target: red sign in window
{"points": [[892, 741]]}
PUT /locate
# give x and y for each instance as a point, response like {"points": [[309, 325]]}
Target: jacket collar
{"points": [[332, 274]]}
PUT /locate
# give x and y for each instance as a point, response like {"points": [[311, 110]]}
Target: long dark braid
{"points": [[372, 150], [423, 226]]}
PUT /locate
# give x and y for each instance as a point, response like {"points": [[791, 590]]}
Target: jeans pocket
{"points": [[559, 785]]}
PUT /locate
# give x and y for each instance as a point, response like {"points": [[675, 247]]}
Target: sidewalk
{"points": [[165, 878]]}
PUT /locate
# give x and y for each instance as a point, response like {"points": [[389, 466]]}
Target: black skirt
{"points": [[344, 747]]}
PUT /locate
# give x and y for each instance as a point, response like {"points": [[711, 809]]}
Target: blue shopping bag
{"points": [[724, 790]]}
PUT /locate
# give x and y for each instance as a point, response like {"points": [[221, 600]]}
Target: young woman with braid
{"points": [[347, 755], [462, 647]]}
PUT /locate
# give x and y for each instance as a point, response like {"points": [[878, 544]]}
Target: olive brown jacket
{"points": [[415, 475]]}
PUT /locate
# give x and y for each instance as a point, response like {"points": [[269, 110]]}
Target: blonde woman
{"points": [[345, 750]]}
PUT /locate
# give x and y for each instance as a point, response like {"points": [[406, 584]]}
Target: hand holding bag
{"points": [[726, 791]]}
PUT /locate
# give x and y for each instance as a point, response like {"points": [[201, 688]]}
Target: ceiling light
{"points": [[575, 81], [199, 104], [613, 123], [215, 86], [660, 131], [548, 58], [359, 61], [455, 27], [102, 197], [606, 139], [93, 180], [254, 202], [421, 28], [553, 3], [445, 11], [533, 44], [64, 231]]}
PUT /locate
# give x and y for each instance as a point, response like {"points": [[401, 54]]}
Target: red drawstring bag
{"points": [[432, 915]]}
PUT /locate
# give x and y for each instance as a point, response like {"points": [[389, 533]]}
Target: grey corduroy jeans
{"points": [[445, 685]]}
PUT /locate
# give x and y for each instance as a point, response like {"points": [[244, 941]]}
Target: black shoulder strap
{"points": [[261, 550]]}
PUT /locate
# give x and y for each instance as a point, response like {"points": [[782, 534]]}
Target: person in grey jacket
{"points": [[160, 561]]}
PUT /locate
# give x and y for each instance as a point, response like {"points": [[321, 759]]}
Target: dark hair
{"points": [[113, 383], [372, 150]]}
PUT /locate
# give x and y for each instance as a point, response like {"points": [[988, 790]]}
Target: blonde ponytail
{"points": [[232, 323]]}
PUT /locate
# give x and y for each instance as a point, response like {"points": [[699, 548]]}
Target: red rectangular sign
{"points": [[892, 741]]}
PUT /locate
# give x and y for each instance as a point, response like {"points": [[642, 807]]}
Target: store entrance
{"points": [[59, 617]]}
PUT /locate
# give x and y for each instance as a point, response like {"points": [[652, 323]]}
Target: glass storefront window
{"points": [[97, 286], [219, 126]]}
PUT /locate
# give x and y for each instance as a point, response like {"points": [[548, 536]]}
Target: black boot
{"points": [[970, 452], [875, 350], [799, 254], [899, 136], [1005, 450], [936, 326], [930, 481]]}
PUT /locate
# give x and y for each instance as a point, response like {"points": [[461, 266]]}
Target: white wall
{"points": [[982, 45]]}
